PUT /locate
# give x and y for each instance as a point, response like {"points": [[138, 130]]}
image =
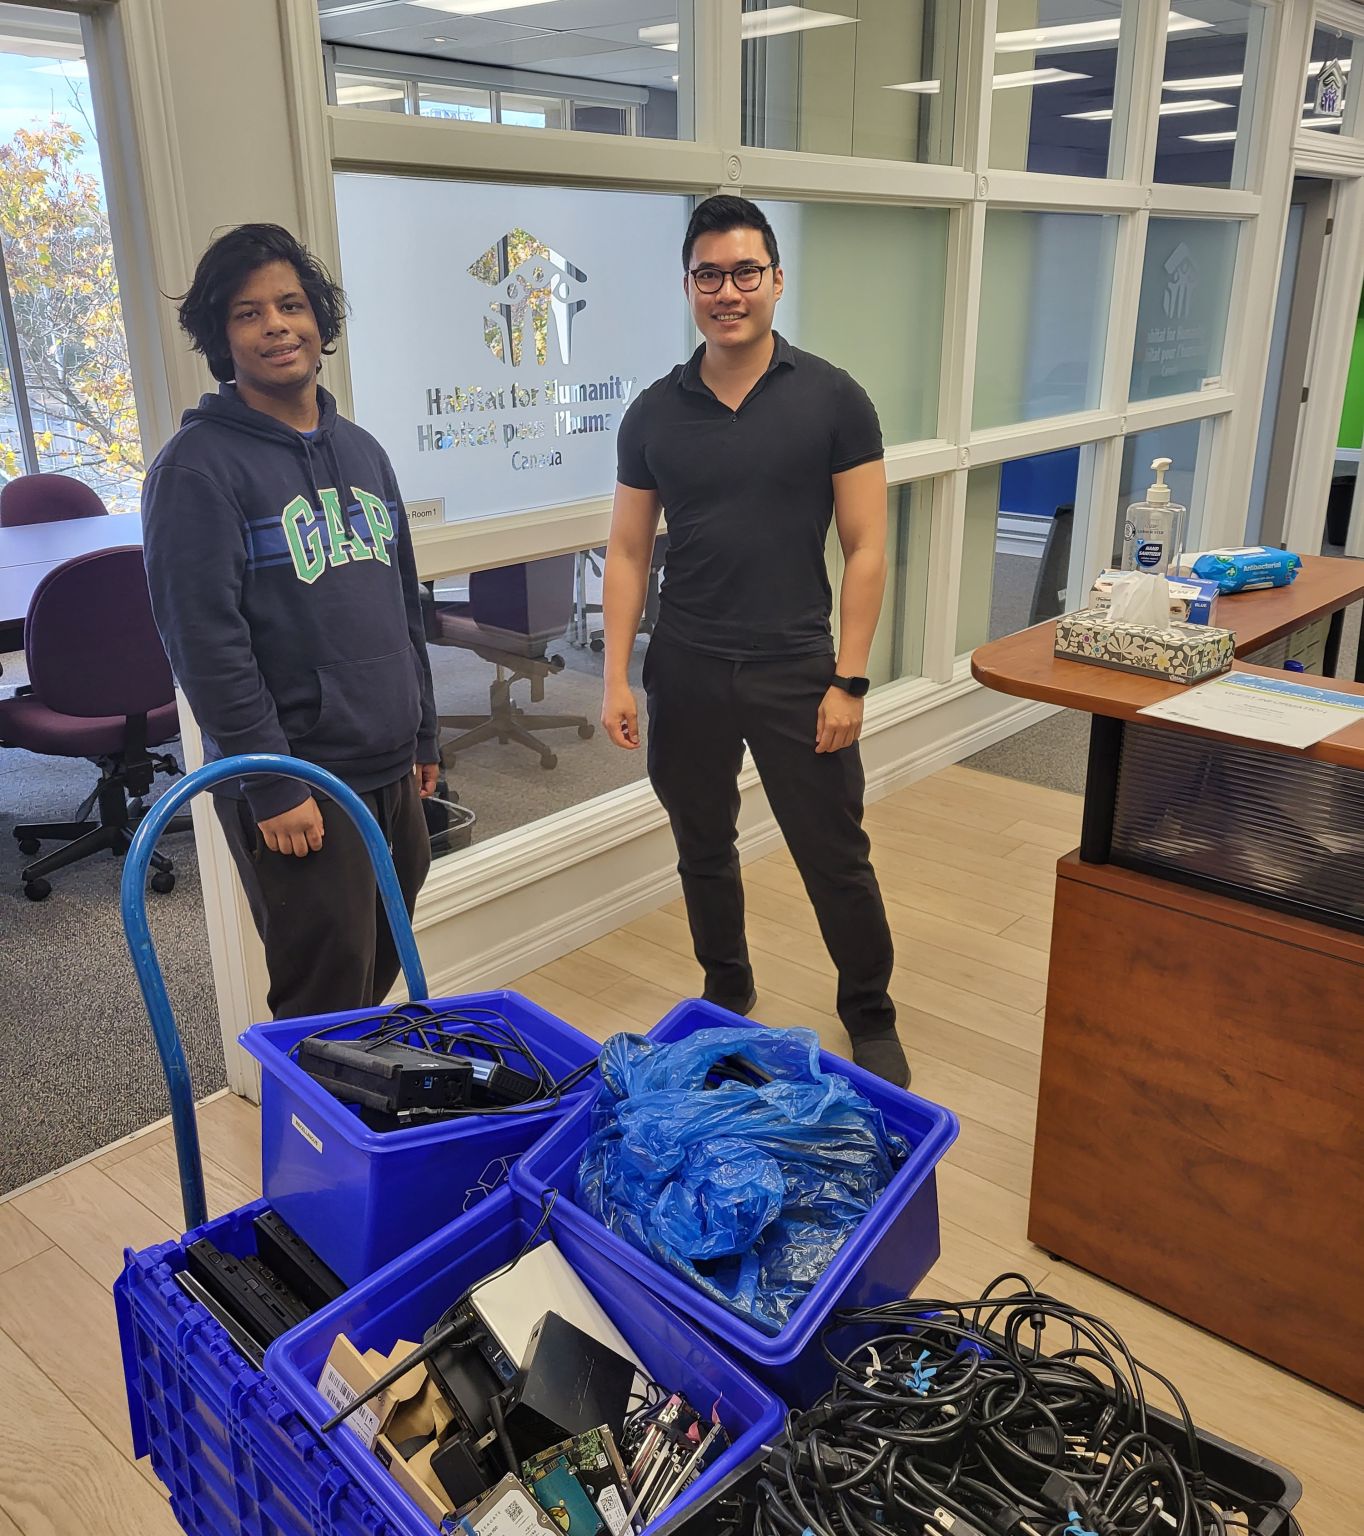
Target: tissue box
{"points": [[1179, 653], [1192, 601]]}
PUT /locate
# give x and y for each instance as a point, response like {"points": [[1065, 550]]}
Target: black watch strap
{"points": [[856, 686]]}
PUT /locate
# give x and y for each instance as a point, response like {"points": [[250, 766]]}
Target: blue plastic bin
{"points": [[235, 1456], [888, 1254], [405, 1298], [359, 1197]]}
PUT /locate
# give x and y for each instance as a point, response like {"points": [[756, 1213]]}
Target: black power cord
{"points": [[950, 1418]]}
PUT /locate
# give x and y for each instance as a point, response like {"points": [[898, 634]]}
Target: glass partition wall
{"points": [[1025, 226]]}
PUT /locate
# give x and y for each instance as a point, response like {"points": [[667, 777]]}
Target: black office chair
{"points": [[511, 616], [1053, 572], [596, 558]]}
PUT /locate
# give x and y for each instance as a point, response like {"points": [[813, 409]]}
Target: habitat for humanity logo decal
{"points": [[530, 322], [539, 295]]}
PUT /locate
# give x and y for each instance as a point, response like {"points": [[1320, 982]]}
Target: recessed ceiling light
{"points": [[1008, 80], [1081, 34], [774, 22], [477, 7], [1203, 83], [363, 95], [1167, 109], [1210, 138]]}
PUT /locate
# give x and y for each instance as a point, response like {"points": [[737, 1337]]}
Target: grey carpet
{"points": [[78, 1068]]}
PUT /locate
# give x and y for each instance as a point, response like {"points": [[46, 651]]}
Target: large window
{"points": [[1055, 85], [1185, 294], [864, 288], [66, 393], [621, 68], [1212, 61], [1023, 553], [856, 78], [542, 324], [1043, 314]]}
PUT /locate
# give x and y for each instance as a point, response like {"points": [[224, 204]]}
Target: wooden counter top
{"points": [[1023, 664]]}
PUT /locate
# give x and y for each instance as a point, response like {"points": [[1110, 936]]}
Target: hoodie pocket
{"points": [[365, 708]]}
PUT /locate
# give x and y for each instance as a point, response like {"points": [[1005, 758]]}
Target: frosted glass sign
{"points": [[498, 333], [1185, 294]]}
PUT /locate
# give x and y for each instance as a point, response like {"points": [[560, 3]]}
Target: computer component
{"points": [[392, 1076], [510, 1304], [248, 1290], [246, 1345], [570, 1383], [461, 1470], [285, 1253]]}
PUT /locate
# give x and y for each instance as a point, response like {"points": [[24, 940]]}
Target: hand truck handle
{"points": [[132, 899]]}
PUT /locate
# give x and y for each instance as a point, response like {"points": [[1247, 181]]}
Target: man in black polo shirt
{"points": [[749, 448]]}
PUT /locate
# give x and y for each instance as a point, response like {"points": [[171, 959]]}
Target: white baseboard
{"points": [[528, 950]]}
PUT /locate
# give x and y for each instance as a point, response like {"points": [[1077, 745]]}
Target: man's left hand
{"points": [[426, 774], [840, 721]]}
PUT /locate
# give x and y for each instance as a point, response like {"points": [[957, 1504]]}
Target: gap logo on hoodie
{"points": [[319, 539]]}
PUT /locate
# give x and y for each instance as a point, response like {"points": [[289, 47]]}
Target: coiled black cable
{"points": [[952, 1418]]}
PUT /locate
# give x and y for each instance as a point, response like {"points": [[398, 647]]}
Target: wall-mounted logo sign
{"points": [[538, 300], [1182, 270], [1330, 97]]}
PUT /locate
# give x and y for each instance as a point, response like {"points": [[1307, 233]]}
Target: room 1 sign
{"points": [[543, 312]]}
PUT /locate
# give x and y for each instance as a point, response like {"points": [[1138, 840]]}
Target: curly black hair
{"points": [[719, 214], [227, 264]]}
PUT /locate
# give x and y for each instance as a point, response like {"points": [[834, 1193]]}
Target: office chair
{"points": [[47, 499], [596, 558], [511, 616], [1049, 595], [100, 688]]}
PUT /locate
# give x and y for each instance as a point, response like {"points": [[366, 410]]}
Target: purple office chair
{"points": [[512, 614], [47, 499], [100, 688]]}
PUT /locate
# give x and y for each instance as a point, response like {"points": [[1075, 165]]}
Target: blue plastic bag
{"points": [[746, 1188]]}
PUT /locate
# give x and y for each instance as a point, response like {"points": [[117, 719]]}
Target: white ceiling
{"points": [[589, 39]]}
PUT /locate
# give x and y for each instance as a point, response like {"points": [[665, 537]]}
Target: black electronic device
{"points": [[465, 1378], [285, 1253], [461, 1470], [243, 1340], [393, 1078], [569, 1384], [247, 1289]]}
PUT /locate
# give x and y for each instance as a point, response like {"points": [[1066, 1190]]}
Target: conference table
{"points": [[28, 553], [1200, 1120]]}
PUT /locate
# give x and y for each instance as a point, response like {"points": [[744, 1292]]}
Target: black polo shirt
{"points": [[748, 497]]}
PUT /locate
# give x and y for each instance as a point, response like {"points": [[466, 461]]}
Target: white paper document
{"points": [[1263, 709]]}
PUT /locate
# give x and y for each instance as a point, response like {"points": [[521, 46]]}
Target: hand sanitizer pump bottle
{"points": [[1153, 532]]}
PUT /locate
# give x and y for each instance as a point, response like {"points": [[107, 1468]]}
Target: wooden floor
{"points": [[966, 862]]}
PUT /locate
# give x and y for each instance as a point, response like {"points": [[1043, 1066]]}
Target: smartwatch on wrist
{"points": [[856, 686]]}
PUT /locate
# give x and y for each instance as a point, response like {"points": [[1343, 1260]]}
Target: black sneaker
{"points": [[884, 1056], [743, 1006]]}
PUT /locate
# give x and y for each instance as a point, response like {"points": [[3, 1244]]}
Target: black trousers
{"points": [[327, 942], [702, 709]]}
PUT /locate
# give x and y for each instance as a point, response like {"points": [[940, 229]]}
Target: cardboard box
{"points": [[1191, 601], [1179, 653], [412, 1406]]}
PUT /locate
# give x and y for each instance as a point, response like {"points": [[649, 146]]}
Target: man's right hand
{"points": [[296, 831], [619, 717]]}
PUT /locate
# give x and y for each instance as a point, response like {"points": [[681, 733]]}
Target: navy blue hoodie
{"points": [[285, 590]]}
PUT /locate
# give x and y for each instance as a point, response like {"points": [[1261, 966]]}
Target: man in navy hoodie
{"points": [[285, 589]]}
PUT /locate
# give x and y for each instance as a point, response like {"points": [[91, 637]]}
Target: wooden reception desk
{"points": [[1200, 1121]]}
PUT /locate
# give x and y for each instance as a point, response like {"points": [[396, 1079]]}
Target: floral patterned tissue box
{"points": [[1179, 653]]}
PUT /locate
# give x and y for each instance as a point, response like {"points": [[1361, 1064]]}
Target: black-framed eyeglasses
{"points": [[746, 277]]}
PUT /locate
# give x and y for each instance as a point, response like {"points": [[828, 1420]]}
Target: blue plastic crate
{"points": [[405, 1298], [236, 1458], [891, 1250], [358, 1197]]}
